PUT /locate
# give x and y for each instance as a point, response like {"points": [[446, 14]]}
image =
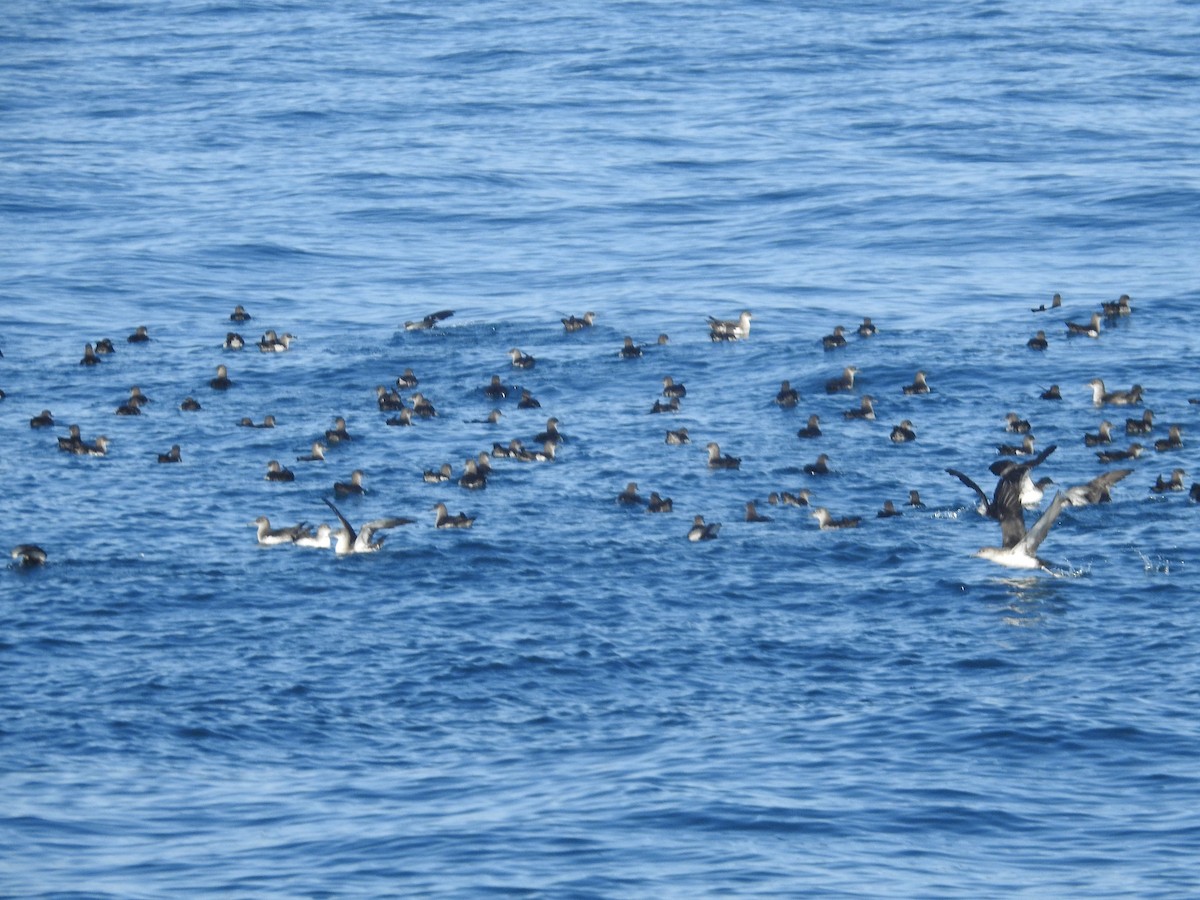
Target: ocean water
{"points": [[570, 699]]}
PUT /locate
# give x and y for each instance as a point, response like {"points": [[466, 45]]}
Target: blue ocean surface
{"points": [[570, 699]]}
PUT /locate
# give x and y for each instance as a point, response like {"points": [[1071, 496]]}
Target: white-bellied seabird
{"points": [[171, 456], [571, 323], [1116, 308], [1144, 425], [678, 437], [551, 434], [836, 339], [1098, 490], [1025, 448], [438, 476], [1092, 329], [919, 385], [866, 409], [819, 467], [268, 536], [659, 504], [351, 488], [1173, 440], [1100, 396], [276, 472], [1174, 483], [629, 350], [787, 396], [472, 478], [827, 523], [234, 341], [140, 336], [319, 541], [671, 389], [338, 433], [388, 401], [445, 520], [717, 461], [407, 381], [903, 433], [729, 330], [316, 454], [702, 532], [1103, 435], [1111, 456], [521, 360], [867, 328], [753, 515], [1018, 549], [350, 540], [1014, 424], [429, 321], [845, 382], [1055, 303], [29, 555], [239, 314], [1015, 481]]}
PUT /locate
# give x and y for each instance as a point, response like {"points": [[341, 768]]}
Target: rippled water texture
{"points": [[570, 699]]}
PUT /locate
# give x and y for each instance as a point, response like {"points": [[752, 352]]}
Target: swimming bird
{"points": [[1098, 490], [42, 420], [827, 523], [521, 360], [717, 461], [1025, 448], [1174, 483], [171, 456], [679, 437], [89, 356], [671, 405], [1102, 436], [190, 404], [140, 336], [221, 382], [1092, 329], [407, 381], [518, 452], [903, 433], [98, 447], [866, 409], [1055, 303], [918, 386], [800, 498], [820, 467], [835, 340], [28, 555], [812, 429], [1018, 549], [671, 389], [445, 520], [271, 342], [551, 435], [702, 532], [318, 541], [845, 382], [472, 478], [629, 350], [914, 500], [867, 328], [1111, 456], [1014, 424], [338, 433], [316, 454], [276, 472], [753, 515], [1100, 396], [495, 389], [727, 330], [234, 341], [528, 401], [247, 422], [388, 401], [659, 504], [349, 540], [787, 396], [1144, 425], [268, 536], [1038, 341], [73, 442], [105, 346], [351, 488], [571, 323], [889, 511], [1173, 440], [1116, 308], [438, 476], [630, 496], [239, 315], [1051, 393], [429, 321]]}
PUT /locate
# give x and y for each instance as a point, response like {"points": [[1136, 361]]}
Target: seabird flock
{"points": [[1015, 492]]}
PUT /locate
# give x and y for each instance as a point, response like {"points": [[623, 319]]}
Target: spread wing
{"points": [[983, 498], [1034, 537], [345, 522]]}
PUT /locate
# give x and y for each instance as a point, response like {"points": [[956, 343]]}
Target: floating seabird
{"points": [[903, 433], [1055, 303], [270, 342], [221, 382], [268, 536], [1025, 448], [1092, 329], [316, 454], [276, 472], [753, 515], [1111, 456], [472, 478], [139, 336], [1014, 424], [820, 467], [717, 461], [671, 389], [350, 488], [659, 504], [407, 381], [1100, 396], [495, 389], [42, 420], [866, 409], [89, 356], [678, 437], [1116, 308], [428, 321], [234, 341], [98, 447], [671, 405], [662, 340], [867, 327], [318, 541], [388, 401], [1174, 483], [1038, 341], [914, 500], [1098, 490], [521, 360], [551, 435], [1102, 436], [629, 350], [483, 462], [828, 523], [1051, 393], [889, 511], [835, 340], [1144, 425], [247, 422], [570, 323], [812, 429], [338, 433], [1173, 440], [918, 386], [171, 456], [518, 452], [630, 496], [105, 346], [129, 409], [438, 476], [787, 396], [702, 532], [28, 555], [800, 498], [361, 540], [73, 442], [528, 401], [727, 330], [239, 315], [445, 520], [843, 383]]}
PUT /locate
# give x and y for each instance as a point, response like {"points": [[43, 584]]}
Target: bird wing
{"points": [[983, 498], [345, 522], [1034, 537], [1097, 490]]}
